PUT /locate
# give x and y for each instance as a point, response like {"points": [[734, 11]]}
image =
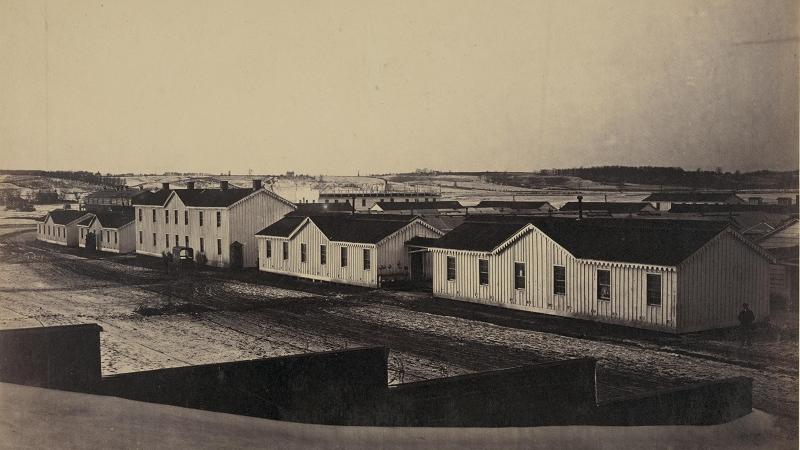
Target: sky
{"points": [[377, 86]]}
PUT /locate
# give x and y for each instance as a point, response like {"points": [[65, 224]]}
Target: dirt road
{"points": [[151, 320]]}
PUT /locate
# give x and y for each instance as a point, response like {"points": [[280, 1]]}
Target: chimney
{"points": [[256, 185], [165, 186], [190, 185], [580, 207], [223, 185]]}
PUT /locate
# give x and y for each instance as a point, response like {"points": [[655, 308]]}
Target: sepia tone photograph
{"points": [[372, 224]]}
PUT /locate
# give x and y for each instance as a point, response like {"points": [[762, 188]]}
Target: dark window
{"points": [[140, 237], [219, 218], [186, 241], [343, 255], [559, 280], [604, 284], [154, 240], [176, 216], [219, 246], [302, 252], [201, 218], [519, 275], [451, 268], [154, 214], [166, 216], [285, 250], [367, 261], [140, 215], [202, 245], [363, 202], [115, 237], [654, 289], [177, 240], [323, 255], [269, 249], [166, 239], [186, 217], [483, 271]]}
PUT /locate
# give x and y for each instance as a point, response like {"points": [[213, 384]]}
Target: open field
{"points": [[152, 319]]}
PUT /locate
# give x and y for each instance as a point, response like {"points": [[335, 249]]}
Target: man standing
{"points": [[746, 319]]}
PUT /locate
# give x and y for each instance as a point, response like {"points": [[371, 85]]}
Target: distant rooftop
{"points": [[609, 207], [384, 194], [403, 206], [677, 197], [509, 204], [360, 228]]}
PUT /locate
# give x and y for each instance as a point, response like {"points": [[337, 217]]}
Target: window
{"points": [[166, 216], [407, 200], [269, 249], [166, 239], [559, 280], [115, 237], [140, 237], [186, 217], [219, 218], [483, 271], [186, 241], [326, 200], [81, 233], [363, 202], [154, 215], [140, 215], [177, 240], [201, 218], [343, 256], [451, 268], [285, 250], [654, 289], [302, 252], [219, 246], [604, 284], [519, 275], [175, 213], [202, 245], [154, 240], [367, 261], [323, 255]]}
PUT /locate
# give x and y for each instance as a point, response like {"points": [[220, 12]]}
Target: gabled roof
{"points": [[209, 198], [778, 229], [116, 219], [692, 197], [610, 207], [407, 206], [657, 242], [366, 229], [86, 222], [157, 198], [312, 209], [511, 204], [65, 216]]}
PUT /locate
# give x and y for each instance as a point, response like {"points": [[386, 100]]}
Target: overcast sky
{"points": [[341, 86]]}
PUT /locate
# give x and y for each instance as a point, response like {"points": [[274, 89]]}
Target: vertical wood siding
{"points": [[251, 216], [628, 304], [68, 233], [715, 281], [392, 253]]}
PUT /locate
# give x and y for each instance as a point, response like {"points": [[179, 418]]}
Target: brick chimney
{"points": [[256, 185], [223, 185], [580, 207], [190, 185], [165, 186]]}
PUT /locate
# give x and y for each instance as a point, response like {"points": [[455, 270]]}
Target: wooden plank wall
{"points": [[251, 216]]}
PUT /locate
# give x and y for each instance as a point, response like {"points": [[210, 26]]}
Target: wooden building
{"points": [[512, 207], [675, 276], [60, 226], [419, 208], [101, 200], [363, 201], [663, 200], [108, 231], [217, 223], [609, 209], [783, 243], [363, 250]]}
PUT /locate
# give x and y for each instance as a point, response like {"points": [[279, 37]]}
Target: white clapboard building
{"points": [[108, 231], [675, 276], [363, 250], [217, 223], [60, 226]]}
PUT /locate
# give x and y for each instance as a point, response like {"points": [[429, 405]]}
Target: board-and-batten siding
{"points": [[717, 279], [252, 215], [392, 252], [68, 236], [787, 237], [310, 235], [628, 303]]}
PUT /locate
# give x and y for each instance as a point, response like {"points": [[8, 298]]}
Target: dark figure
{"points": [[167, 259], [746, 319]]}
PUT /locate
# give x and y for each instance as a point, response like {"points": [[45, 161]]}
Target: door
{"points": [[237, 255]]}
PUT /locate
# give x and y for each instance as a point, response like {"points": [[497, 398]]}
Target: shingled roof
{"points": [[156, 198], [658, 242], [407, 206], [691, 197], [65, 216], [114, 219], [609, 207], [210, 198], [357, 228]]}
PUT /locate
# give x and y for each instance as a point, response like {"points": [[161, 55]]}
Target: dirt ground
{"points": [[151, 319]]}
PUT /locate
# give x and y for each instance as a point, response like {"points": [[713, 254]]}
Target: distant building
{"points": [[218, 223], [119, 198], [512, 207], [60, 226], [363, 250], [313, 209], [363, 201], [108, 231], [610, 208], [783, 243], [663, 200], [419, 208], [674, 276]]}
